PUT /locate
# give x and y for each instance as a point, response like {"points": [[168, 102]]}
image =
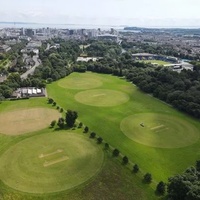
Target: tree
{"points": [[92, 135], [198, 165], [61, 110], [53, 123], [160, 189], [86, 129], [99, 140], [71, 117], [54, 103], [1, 98], [147, 178], [106, 146], [185, 186], [61, 122], [125, 160], [80, 125], [116, 152], [50, 100], [135, 168]]}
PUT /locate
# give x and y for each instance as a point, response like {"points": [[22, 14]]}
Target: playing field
{"points": [[102, 97], [159, 130], [165, 143], [50, 162], [80, 82], [157, 62], [26, 120]]}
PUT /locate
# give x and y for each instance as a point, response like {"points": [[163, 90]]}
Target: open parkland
{"points": [[38, 162]]}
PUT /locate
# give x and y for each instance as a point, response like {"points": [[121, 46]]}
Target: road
{"points": [[31, 71]]}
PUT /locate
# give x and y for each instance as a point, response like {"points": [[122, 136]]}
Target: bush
{"points": [[115, 152], [160, 189], [99, 140], [80, 125], [92, 135], [57, 107], [61, 122], [106, 146], [86, 129], [135, 168], [53, 123], [147, 178], [61, 110], [54, 103], [50, 100], [125, 160]]}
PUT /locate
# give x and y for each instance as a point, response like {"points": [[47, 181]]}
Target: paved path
{"points": [[31, 71]]}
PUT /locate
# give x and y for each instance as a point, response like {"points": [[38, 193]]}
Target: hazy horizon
{"points": [[143, 13]]}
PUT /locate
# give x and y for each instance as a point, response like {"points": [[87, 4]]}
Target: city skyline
{"points": [[154, 13]]}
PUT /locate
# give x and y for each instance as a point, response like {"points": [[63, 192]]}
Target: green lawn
{"points": [[105, 121], [37, 165], [158, 62], [50, 162]]}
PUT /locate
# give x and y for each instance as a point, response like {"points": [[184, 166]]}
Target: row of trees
{"points": [[147, 178]]}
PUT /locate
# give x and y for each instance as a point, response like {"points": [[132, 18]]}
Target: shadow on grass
{"points": [[63, 128], [161, 196], [146, 182]]}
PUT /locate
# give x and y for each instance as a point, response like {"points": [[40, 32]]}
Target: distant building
{"points": [[29, 32], [142, 56], [11, 42], [2, 78], [108, 37], [4, 48], [29, 92], [86, 59]]}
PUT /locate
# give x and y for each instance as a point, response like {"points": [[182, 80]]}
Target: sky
{"points": [[143, 13]]}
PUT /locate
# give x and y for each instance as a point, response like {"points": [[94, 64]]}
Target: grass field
{"points": [[106, 121], [159, 130], [50, 163], [37, 165], [102, 97], [158, 62], [26, 120], [80, 82]]}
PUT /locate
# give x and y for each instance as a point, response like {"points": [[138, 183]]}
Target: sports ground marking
{"points": [[97, 95], [49, 154], [49, 163], [157, 127]]}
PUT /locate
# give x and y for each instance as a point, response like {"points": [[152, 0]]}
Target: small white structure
{"points": [[29, 92], [86, 59]]}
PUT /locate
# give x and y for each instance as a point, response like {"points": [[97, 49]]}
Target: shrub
{"points": [[106, 146], [80, 125], [135, 168], [160, 189], [147, 178], [125, 160], [86, 129], [115, 152], [53, 123], [92, 135], [99, 140]]}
